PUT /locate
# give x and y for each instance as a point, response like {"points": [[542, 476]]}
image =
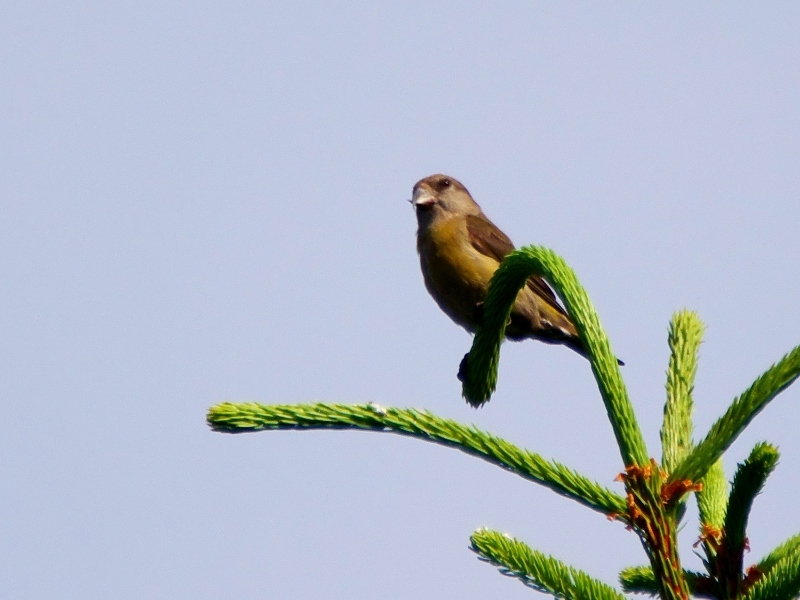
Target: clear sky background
{"points": [[208, 201]]}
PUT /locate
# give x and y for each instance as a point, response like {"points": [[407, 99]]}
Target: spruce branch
{"points": [[790, 547], [743, 410], [782, 582], [655, 497], [479, 368], [537, 570], [712, 504], [237, 418], [642, 580], [727, 557], [651, 516], [747, 484], [639, 580], [712, 500], [685, 335]]}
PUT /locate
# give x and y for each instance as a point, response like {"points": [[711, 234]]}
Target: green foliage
{"points": [[685, 334], [639, 580], [790, 547], [537, 570], [235, 418], [782, 582], [481, 374], [725, 547], [747, 483], [743, 410], [712, 500], [642, 580], [654, 501]]}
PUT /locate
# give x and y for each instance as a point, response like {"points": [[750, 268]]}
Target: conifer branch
{"points": [[639, 580], [479, 368], [685, 335], [712, 504], [782, 582], [712, 500], [743, 410], [747, 483], [537, 570], [789, 548], [653, 519], [655, 496], [642, 580], [238, 418]]}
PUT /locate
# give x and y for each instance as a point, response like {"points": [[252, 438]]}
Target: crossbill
{"points": [[459, 251]]}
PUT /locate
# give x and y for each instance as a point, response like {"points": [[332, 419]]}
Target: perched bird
{"points": [[459, 251]]}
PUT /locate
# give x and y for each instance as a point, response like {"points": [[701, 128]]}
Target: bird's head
{"points": [[441, 197]]}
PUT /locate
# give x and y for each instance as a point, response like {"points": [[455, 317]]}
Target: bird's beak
{"points": [[422, 197]]}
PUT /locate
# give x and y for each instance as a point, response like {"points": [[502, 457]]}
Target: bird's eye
{"points": [[446, 183]]}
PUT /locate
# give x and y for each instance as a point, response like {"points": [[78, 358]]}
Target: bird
{"points": [[459, 251]]}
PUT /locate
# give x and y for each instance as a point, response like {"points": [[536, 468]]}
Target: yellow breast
{"points": [[456, 274]]}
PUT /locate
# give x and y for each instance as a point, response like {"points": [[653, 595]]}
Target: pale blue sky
{"points": [[203, 202]]}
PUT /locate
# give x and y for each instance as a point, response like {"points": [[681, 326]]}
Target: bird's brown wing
{"points": [[487, 239]]}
